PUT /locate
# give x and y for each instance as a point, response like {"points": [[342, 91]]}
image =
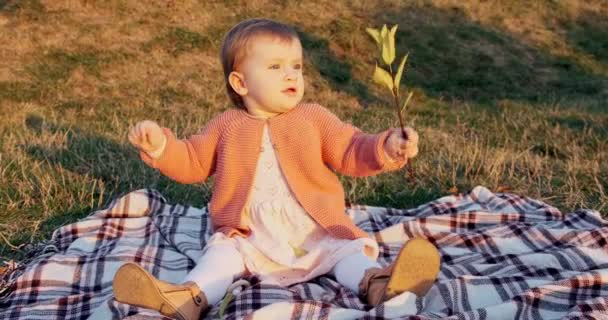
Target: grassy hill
{"points": [[511, 95]]}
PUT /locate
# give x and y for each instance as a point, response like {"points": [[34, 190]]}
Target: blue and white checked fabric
{"points": [[503, 257]]}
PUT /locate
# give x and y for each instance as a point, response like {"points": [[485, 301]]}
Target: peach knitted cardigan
{"points": [[309, 142]]}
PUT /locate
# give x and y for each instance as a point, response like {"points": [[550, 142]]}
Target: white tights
{"points": [[220, 264], [350, 270], [216, 269]]}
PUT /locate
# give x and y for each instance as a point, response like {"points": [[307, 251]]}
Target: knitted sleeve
{"points": [[350, 151], [189, 160]]}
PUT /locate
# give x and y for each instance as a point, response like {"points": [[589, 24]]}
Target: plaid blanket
{"points": [[503, 257]]}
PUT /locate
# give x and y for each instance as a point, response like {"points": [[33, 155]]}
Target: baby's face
{"points": [[272, 72]]}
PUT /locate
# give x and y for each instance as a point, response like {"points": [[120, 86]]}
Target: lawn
{"points": [[509, 95]]}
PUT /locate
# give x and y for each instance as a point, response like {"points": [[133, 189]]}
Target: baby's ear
{"points": [[237, 82]]}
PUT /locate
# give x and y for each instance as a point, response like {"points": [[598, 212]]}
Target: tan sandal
{"points": [[134, 285], [415, 270]]}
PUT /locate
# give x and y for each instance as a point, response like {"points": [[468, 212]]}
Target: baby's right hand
{"points": [[147, 136]]}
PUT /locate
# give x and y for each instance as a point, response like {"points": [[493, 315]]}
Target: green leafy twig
{"points": [[385, 41]]}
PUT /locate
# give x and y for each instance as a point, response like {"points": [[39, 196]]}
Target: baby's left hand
{"points": [[398, 148]]}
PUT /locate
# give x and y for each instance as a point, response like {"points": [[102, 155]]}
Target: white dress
{"points": [[286, 245]]}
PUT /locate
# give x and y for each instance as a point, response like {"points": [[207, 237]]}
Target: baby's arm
{"points": [[187, 161], [353, 152]]}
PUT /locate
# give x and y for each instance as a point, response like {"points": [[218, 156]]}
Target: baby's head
{"points": [[262, 62]]}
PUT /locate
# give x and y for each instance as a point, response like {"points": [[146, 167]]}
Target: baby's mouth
{"points": [[290, 91]]}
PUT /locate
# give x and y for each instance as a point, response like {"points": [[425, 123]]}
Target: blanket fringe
{"points": [[14, 269]]}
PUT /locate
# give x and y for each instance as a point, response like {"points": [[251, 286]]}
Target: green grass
{"points": [[512, 98], [589, 35], [18, 91], [179, 40]]}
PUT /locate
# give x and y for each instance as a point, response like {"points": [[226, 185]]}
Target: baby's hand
{"points": [[147, 136], [398, 148]]}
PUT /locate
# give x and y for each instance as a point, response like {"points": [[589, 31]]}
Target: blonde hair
{"points": [[237, 41]]}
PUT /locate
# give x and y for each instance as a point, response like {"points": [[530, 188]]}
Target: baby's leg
{"points": [[350, 271], [216, 269], [203, 287]]}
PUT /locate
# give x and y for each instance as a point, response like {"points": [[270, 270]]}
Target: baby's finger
{"points": [[403, 144], [142, 136], [409, 144], [141, 133], [411, 152], [131, 136], [412, 135]]}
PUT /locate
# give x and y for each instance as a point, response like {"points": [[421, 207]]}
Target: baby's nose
{"points": [[291, 73]]}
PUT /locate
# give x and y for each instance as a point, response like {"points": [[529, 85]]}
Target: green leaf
{"points": [[409, 96], [400, 72], [383, 32], [388, 45], [382, 77], [391, 42], [385, 53], [375, 33], [383, 44]]}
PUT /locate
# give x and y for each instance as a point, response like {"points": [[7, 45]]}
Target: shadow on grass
{"points": [[597, 127], [84, 153], [455, 58], [28, 9], [52, 69], [589, 33], [409, 197], [180, 40], [337, 71], [117, 166]]}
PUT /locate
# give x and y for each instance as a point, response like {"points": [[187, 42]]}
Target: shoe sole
{"points": [[415, 269], [135, 286]]}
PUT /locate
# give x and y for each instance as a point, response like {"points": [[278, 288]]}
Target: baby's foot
{"points": [[135, 286]]}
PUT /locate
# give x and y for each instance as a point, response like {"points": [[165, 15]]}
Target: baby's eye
{"points": [[298, 66], [274, 66]]}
